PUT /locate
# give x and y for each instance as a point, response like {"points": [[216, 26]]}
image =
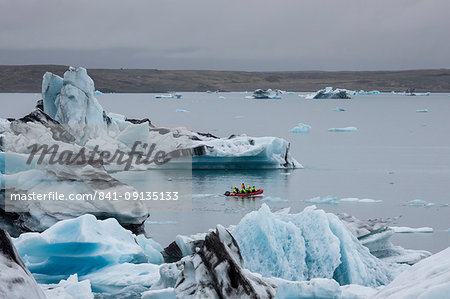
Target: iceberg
{"points": [[428, 279], [242, 152], [15, 279], [422, 110], [311, 244], [338, 109], [346, 129], [265, 94], [329, 93], [300, 129], [84, 246]]}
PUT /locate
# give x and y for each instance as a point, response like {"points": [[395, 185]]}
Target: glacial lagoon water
{"points": [[396, 155]]}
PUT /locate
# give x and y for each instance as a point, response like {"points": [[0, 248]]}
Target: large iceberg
{"points": [[99, 250], [311, 244]]}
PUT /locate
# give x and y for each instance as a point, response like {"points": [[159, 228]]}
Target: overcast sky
{"points": [[278, 35]]}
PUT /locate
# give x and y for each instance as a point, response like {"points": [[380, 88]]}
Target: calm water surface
{"points": [[396, 156]]}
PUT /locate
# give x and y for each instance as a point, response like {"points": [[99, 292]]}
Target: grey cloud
{"points": [[240, 35]]}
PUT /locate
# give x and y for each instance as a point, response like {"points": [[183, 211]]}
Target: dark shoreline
{"points": [[28, 78]]}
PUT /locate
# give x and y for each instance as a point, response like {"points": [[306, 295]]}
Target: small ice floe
{"points": [[161, 222], [334, 200], [363, 200], [407, 230], [239, 116], [300, 129], [422, 110], [338, 109], [274, 199], [98, 92], [345, 129], [221, 98], [363, 92], [420, 203], [181, 110], [324, 200]]}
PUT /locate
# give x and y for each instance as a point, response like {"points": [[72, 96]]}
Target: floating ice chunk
{"points": [[422, 110], [301, 129], [324, 200], [361, 200], [420, 202], [363, 92], [181, 110], [428, 279], [329, 93], [404, 229], [81, 245], [239, 116], [369, 200], [98, 92], [311, 244], [68, 289], [345, 129], [221, 98], [338, 109]]}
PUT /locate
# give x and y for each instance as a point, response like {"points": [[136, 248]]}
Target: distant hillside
{"points": [[28, 79]]}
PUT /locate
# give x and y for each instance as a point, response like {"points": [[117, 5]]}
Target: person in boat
{"points": [[249, 189], [253, 189], [235, 190], [243, 188]]}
